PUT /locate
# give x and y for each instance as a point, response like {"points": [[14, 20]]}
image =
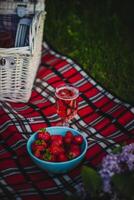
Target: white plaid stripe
{"points": [[3, 182], [15, 120]]}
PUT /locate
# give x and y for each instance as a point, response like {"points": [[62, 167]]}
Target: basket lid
{"points": [[10, 6]]}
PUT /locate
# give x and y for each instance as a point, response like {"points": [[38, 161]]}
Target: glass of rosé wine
{"points": [[66, 102]]}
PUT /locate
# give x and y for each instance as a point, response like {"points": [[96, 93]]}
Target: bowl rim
{"points": [[56, 163]]}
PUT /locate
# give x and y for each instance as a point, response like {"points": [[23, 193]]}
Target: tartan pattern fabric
{"points": [[105, 120]]}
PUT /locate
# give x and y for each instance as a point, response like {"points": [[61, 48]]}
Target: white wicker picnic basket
{"points": [[19, 64]]}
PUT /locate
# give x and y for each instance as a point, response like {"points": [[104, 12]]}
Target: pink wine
{"points": [[67, 102]]}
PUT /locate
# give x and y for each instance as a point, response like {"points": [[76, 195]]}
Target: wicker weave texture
{"points": [[10, 6], [18, 74]]}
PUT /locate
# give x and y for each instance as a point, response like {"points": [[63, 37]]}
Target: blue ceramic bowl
{"points": [[57, 167]]}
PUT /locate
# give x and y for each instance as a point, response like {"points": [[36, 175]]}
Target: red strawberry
{"points": [[44, 136], [56, 143], [40, 148], [40, 136], [69, 134], [58, 138], [53, 158], [38, 144], [34, 146], [62, 157], [47, 136], [74, 153], [56, 150], [48, 156], [43, 143], [68, 138], [37, 153], [75, 147], [78, 139]]}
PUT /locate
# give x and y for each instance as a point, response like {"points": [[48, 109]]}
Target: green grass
{"points": [[94, 33]]}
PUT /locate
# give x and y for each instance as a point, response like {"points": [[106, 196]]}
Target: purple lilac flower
{"points": [[107, 185], [114, 164], [106, 177], [111, 162], [130, 162], [110, 166], [127, 156]]}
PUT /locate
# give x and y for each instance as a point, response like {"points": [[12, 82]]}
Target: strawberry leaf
{"points": [[43, 130]]}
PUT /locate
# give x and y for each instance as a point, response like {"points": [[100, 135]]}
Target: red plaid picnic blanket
{"points": [[105, 120]]}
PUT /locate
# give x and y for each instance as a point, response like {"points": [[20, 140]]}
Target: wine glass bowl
{"points": [[66, 102]]}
